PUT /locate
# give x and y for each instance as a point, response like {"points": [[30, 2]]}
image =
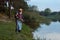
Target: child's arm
{"points": [[16, 15]]}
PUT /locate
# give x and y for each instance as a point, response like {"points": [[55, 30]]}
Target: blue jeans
{"points": [[19, 25]]}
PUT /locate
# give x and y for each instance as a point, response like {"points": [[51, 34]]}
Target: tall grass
{"points": [[7, 32]]}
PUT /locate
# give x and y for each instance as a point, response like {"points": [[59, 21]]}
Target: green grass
{"points": [[7, 32]]}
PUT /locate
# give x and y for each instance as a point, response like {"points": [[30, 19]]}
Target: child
{"points": [[19, 20]]}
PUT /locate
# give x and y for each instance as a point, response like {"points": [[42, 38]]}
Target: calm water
{"points": [[48, 32]]}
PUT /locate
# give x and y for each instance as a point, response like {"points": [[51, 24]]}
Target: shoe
{"points": [[19, 30]]}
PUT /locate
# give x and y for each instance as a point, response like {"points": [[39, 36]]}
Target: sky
{"points": [[54, 5]]}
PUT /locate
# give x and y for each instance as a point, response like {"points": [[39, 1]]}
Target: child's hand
{"points": [[22, 20]]}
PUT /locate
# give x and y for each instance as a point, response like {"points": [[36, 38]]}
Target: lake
{"points": [[47, 32]]}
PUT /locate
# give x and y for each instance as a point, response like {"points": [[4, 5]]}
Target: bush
{"points": [[31, 19]]}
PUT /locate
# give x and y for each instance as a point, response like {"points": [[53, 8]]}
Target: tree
{"points": [[42, 13], [59, 12], [33, 8], [1, 5], [20, 3], [47, 11]]}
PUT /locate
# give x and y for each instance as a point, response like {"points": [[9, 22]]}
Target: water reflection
{"points": [[48, 32]]}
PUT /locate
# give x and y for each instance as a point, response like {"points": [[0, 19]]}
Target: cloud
{"points": [[52, 36], [48, 36]]}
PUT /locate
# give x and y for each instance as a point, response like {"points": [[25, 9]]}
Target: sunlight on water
{"points": [[48, 32]]}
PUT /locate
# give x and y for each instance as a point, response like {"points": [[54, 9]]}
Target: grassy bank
{"points": [[7, 32]]}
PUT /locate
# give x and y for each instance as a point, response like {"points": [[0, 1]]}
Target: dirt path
{"points": [[4, 18]]}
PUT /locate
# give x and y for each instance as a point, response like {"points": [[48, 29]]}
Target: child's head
{"points": [[20, 10]]}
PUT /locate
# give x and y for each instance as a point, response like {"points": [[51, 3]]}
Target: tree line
{"points": [[55, 16]]}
